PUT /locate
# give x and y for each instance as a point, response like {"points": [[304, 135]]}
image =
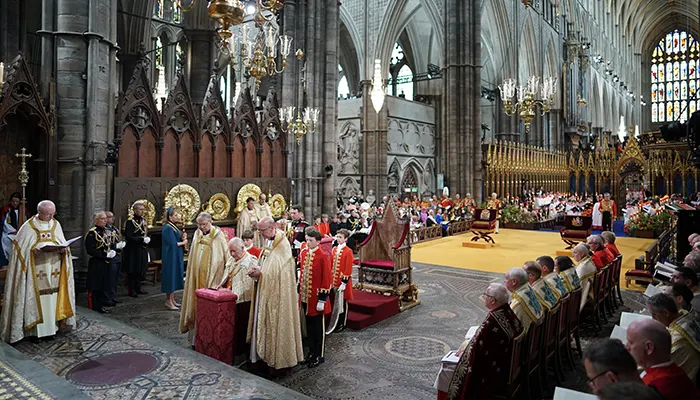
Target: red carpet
{"points": [[369, 308]]}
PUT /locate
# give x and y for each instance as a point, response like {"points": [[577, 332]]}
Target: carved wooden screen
{"points": [[24, 123], [179, 142]]}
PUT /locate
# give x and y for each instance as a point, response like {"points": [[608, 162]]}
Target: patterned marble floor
{"points": [[152, 368], [395, 359]]}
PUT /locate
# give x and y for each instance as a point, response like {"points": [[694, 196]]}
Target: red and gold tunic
{"points": [[342, 269], [608, 206], [315, 280]]}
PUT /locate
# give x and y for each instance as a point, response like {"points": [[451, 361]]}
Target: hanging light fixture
{"points": [[304, 122], [258, 57], [527, 102], [377, 93]]}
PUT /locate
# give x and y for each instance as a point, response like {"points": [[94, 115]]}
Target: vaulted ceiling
{"points": [[645, 21]]}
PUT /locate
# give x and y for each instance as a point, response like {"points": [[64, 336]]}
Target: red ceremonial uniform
{"points": [[602, 257], [315, 280], [613, 249], [671, 382], [342, 269], [254, 251]]}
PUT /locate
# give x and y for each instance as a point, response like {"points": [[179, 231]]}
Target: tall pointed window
{"points": [[179, 58], [158, 9], [343, 87], [400, 75], [674, 77], [177, 16]]}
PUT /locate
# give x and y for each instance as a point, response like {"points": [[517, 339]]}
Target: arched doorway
{"points": [[409, 183]]}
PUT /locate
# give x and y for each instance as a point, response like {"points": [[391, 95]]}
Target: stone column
{"points": [[314, 26], [201, 56], [373, 161], [84, 42], [461, 148]]}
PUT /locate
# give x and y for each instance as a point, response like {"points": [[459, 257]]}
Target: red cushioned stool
{"points": [[216, 313]]}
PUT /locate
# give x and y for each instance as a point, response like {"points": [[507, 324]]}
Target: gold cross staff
{"points": [[23, 174], [23, 179]]}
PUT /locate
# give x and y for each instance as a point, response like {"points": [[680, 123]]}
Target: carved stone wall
{"points": [[349, 141], [411, 147]]}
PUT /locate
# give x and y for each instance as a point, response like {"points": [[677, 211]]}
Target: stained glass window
{"points": [[158, 9], [674, 77], [177, 16]]}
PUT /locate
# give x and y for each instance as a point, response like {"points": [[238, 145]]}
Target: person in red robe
{"points": [[315, 282], [342, 259], [601, 256], [248, 240], [321, 224], [649, 342], [609, 239], [484, 365]]}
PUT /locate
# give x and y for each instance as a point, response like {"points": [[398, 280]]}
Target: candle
{"points": [[2, 74], [244, 37]]}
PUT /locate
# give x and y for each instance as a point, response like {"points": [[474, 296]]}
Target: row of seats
{"points": [[542, 352]]}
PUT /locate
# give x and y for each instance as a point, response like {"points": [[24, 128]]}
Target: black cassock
{"points": [[97, 244], [135, 254]]}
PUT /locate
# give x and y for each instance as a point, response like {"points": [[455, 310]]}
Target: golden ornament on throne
{"points": [[149, 213], [249, 190], [186, 199], [278, 205], [218, 206]]}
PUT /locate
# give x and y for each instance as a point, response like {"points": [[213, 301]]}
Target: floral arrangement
{"points": [[642, 221], [516, 215]]}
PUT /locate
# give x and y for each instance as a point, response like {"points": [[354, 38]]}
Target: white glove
{"points": [[111, 254], [342, 286], [121, 245], [320, 306], [146, 240]]}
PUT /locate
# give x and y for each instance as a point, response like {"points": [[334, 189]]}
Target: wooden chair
{"points": [[532, 358], [549, 353], [484, 224], [563, 338], [575, 318], [576, 229], [513, 386], [385, 259], [598, 288], [616, 280], [608, 290]]}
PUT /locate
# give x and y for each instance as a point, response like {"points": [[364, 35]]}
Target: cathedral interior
{"points": [[314, 102]]}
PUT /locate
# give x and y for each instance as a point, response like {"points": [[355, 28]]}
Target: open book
{"points": [[568, 394], [627, 318], [57, 247]]}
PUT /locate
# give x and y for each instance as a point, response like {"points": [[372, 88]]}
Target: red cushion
{"points": [[356, 261], [482, 225], [569, 233], [382, 264], [640, 273]]}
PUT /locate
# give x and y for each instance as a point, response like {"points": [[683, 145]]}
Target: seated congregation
{"points": [[532, 330]]}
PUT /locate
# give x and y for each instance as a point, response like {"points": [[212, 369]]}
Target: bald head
{"points": [[46, 210], [266, 227], [649, 342]]}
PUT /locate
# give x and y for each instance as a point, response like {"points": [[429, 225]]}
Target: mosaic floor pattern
{"points": [[109, 360], [395, 359]]}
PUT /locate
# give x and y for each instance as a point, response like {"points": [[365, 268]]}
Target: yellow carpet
{"points": [[515, 246]]}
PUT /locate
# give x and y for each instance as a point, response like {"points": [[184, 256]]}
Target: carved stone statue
{"points": [[370, 199], [349, 149], [393, 179]]}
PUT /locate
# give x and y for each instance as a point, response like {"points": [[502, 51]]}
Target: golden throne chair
{"points": [[385, 259]]}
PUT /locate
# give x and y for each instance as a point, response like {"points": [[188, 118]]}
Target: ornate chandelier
{"points": [[258, 56], [302, 124], [528, 103]]}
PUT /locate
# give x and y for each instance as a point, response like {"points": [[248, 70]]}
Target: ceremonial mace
{"points": [[23, 179]]}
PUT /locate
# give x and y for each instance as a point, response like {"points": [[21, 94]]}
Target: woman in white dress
{"points": [[597, 215]]}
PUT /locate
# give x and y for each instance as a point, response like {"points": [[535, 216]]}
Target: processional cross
{"points": [[23, 180]]}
